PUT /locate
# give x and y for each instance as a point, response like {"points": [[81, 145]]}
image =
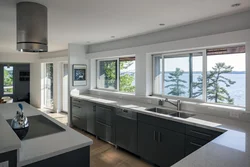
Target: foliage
{"points": [[126, 80], [8, 78], [216, 92], [177, 84]]}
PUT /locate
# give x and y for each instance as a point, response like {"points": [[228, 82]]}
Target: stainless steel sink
{"points": [[161, 110], [182, 114], [171, 112]]}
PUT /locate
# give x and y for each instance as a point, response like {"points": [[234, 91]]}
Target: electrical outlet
{"points": [[234, 114], [99, 93], [4, 164], [120, 96]]}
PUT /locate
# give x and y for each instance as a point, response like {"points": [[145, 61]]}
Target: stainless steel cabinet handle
{"points": [[197, 145], [200, 133], [154, 135], [76, 117], [103, 124], [159, 137]]}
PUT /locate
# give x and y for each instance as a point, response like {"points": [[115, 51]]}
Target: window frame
{"points": [[176, 55], [13, 80], [117, 73], [204, 75]]}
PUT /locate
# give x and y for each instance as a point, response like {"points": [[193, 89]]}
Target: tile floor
{"points": [[103, 154]]}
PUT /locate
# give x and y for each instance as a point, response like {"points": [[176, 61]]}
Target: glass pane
{"points": [[107, 78], [8, 80], [197, 80], [49, 85], [127, 74], [226, 79], [157, 75], [176, 76]]}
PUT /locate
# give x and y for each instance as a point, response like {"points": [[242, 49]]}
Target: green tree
{"points": [[8, 78], [176, 85], [216, 84], [126, 79]]}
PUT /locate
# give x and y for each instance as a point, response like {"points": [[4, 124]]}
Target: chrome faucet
{"points": [[177, 105]]}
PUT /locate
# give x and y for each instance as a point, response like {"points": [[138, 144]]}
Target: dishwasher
{"points": [[126, 130]]}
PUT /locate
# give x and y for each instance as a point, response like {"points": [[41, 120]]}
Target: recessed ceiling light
{"points": [[112, 36], [235, 5], [88, 41], [161, 24]]}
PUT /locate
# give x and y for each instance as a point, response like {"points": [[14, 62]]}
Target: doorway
{"points": [[65, 87], [48, 93]]}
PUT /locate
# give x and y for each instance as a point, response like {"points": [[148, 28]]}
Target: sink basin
{"points": [[161, 111], [182, 114]]}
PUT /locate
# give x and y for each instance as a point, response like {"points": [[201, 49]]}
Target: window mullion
{"points": [[163, 73], [204, 74], [190, 75]]}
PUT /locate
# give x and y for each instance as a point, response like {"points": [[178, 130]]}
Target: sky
{"points": [[235, 60]]}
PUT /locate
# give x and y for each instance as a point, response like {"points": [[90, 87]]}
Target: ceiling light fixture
{"points": [[88, 41], [235, 5], [161, 24], [112, 36]]}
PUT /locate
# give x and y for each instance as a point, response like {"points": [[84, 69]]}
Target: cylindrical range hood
{"points": [[32, 27]]}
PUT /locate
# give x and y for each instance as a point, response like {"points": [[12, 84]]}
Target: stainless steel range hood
{"points": [[32, 27]]}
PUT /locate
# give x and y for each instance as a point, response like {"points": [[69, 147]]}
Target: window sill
{"points": [[99, 91]]}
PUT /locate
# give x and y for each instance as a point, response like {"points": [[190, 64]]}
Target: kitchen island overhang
{"points": [[65, 148]]}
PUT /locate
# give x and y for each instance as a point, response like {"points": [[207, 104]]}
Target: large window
{"points": [[181, 72], [8, 80], [117, 74], [183, 75]]}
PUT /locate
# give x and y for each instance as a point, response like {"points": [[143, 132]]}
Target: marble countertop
{"points": [[231, 149], [37, 149]]}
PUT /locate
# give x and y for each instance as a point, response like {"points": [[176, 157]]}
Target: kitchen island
{"points": [[65, 148]]}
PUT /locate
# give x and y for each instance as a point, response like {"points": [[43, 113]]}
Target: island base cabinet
{"points": [[76, 158], [147, 142], [170, 147]]}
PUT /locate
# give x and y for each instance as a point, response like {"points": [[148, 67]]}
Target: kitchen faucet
{"points": [[177, 105]]}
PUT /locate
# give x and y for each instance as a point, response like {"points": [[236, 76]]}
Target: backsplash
{"points": [[202, 108]]}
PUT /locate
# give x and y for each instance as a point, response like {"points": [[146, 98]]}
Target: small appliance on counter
{"points": [[20, 123]]}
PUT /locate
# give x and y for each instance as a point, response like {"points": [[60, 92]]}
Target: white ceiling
{"points": [[79, 21]]}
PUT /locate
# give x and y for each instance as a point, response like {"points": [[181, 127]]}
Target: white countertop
{"points": [[8, 139], [231, 149], [37, 149]]}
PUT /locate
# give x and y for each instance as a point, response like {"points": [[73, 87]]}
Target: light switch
{"points": [[4, 164]]}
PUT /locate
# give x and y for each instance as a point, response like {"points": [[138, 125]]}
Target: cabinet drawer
{"points": [[192, 144], [201, 133], [78, 122], [76, 101], [104, 131], [104, 114], [77, 110]]}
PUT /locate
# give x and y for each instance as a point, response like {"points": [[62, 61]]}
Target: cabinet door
{"points": [[88, 109], [147, 137], [170, 147]]}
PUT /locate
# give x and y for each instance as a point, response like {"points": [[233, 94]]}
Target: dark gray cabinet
{"points": [[79, 118], [170, 147], [83, 115], [104, 124], [147, 142]]}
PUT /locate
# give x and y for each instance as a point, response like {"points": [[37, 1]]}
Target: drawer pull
{"points": [[126, 111], [103, 124], [155, 135], [197, 145], [199, 133], [76, 117], [159, 137]]}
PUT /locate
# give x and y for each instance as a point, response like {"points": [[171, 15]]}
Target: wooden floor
{"points": [[103, 154]]}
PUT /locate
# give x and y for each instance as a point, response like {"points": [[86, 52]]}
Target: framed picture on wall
{"points": [[79, 75]]}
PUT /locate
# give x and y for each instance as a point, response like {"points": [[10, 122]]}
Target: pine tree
{"points": [[177, 85], [215, 91]]}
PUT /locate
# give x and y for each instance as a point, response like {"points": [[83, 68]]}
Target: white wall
{"points": [[77, 55], [36, 83], [18, 57]]}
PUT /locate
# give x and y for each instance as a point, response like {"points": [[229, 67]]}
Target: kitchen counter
{"points": [[41, 148], [231, 149]]}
